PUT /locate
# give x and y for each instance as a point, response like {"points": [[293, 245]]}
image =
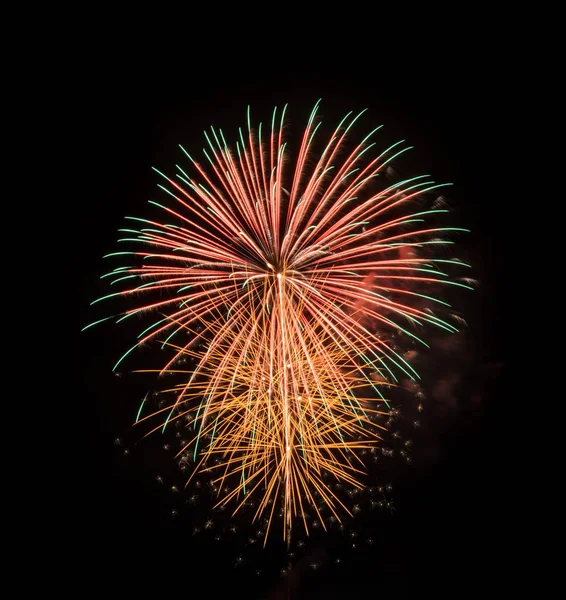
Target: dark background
{"points": [[450, 529]]}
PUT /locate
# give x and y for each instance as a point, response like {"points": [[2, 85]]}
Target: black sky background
{"points": [[450, 527]]}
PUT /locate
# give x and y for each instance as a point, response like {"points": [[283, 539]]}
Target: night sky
{"points": [[449, 527]]}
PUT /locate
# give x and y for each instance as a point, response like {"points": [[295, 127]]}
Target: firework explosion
{"points": [[282, 289]]}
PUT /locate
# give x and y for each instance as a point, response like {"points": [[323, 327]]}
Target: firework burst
{"points": [[282, 288]]}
